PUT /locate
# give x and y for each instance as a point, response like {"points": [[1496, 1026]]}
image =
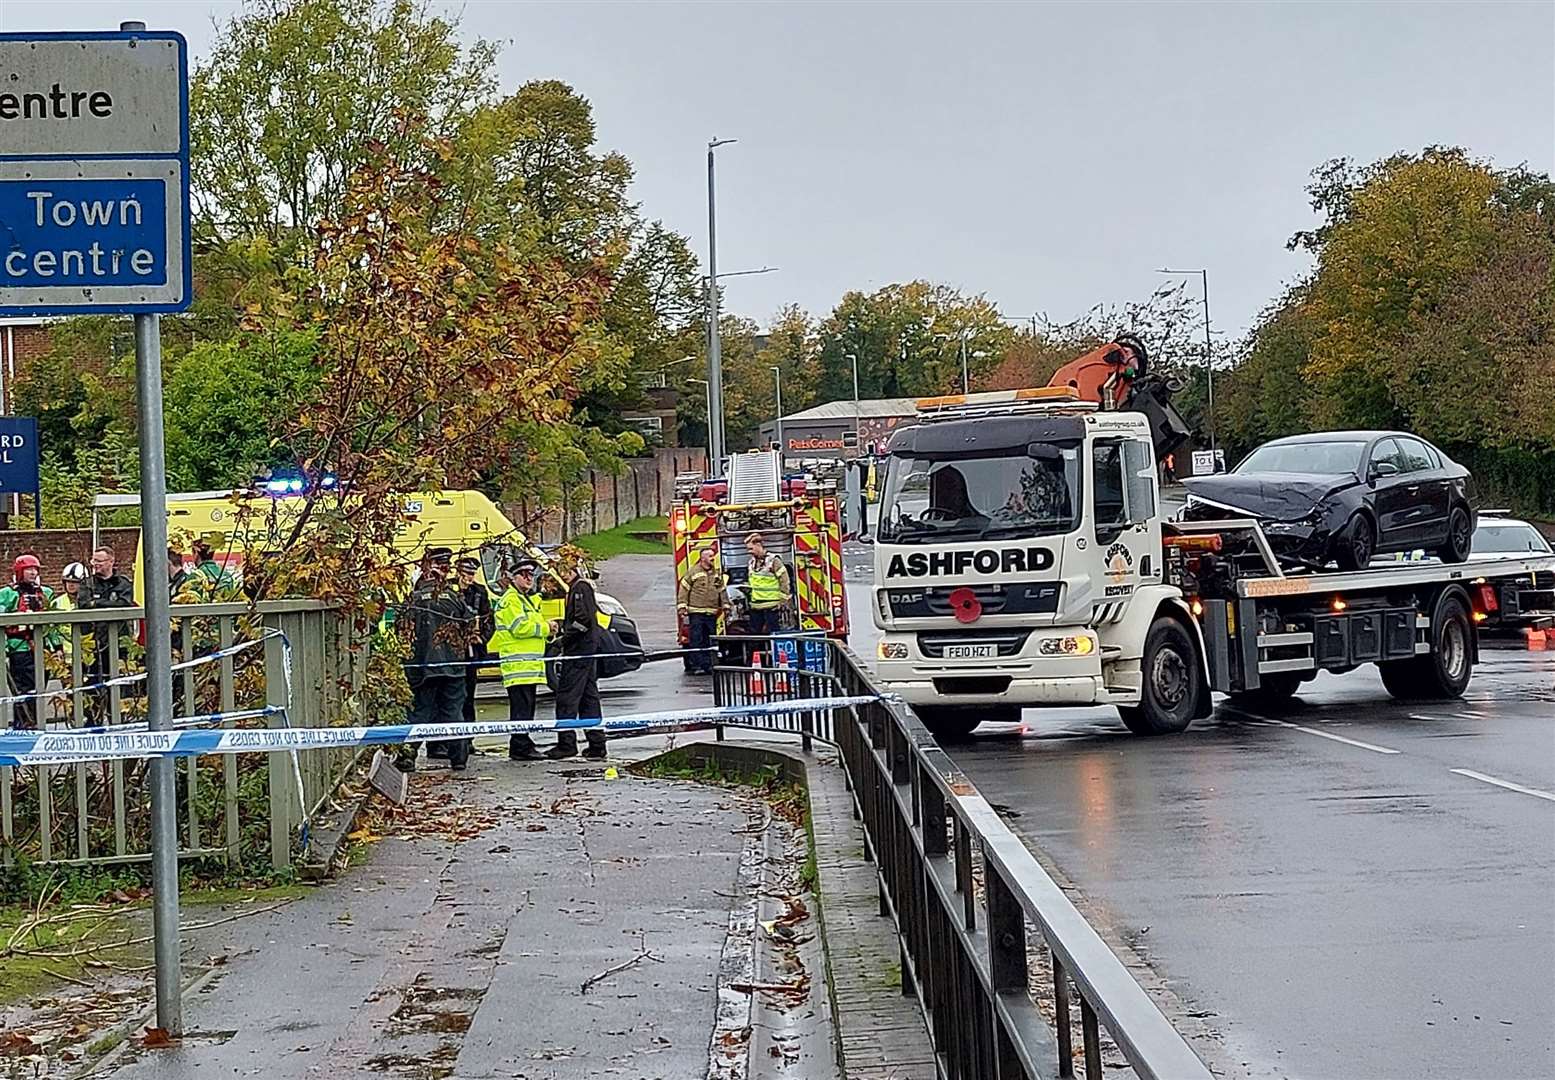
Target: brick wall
{"points": [[57, 548], [644, 489], [23, 342]]}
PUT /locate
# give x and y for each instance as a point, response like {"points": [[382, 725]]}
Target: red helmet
{"points": [[25, 562]]}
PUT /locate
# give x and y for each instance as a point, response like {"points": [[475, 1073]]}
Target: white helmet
{"points": [[74, 572]]}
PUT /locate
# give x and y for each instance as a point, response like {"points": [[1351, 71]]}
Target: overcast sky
{"points": [[1048, 155]]}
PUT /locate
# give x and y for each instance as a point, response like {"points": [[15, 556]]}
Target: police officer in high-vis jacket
{"points": [[519, 644]]}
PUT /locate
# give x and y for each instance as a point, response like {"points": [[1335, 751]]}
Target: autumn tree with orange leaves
{"points": [[431, 340]]}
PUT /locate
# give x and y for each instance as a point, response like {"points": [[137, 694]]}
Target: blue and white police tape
{"points": [[647, 656], [196, 721], [126, 680], [65, 747]]}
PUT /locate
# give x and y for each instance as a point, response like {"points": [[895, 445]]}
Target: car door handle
{"points": [[1413, 489]]}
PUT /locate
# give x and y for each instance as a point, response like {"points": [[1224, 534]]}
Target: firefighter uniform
{"points": [[519, 644], [701, 599]]}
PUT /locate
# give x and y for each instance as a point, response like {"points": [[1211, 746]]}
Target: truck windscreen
{"points": [[1011, 493]]}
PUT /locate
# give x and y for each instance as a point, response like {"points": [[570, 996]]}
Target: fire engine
{"points": [[799, 520]]}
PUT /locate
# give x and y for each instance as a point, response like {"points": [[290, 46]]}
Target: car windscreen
{"points": [[1011, 493], [1320, 458], [1494, 539]]}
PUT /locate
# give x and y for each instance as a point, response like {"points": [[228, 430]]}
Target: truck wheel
{"points": [[1275, 687], [954, 723], [1444, 673], [1355, 544], [1171, 682], [1460, 537]]}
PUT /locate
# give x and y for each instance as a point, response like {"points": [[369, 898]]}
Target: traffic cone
{"points": [[780, 680], [758, 682], [1538, 640]]}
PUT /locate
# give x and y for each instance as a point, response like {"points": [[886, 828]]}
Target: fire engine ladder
{"points": [[755, 478]]}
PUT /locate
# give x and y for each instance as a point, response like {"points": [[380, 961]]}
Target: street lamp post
{"points": [[715, 375], [707, 390], [966, 378], [854, 358], [1209, 367], [777, 376]]}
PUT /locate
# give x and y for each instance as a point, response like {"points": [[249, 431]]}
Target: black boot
{"points": [[522, 748], [566, 747]]}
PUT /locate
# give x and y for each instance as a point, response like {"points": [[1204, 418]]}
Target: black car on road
{"points": [[1345, 497]]}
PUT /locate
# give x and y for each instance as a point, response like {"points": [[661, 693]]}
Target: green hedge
{"points": [[1520, 480]]}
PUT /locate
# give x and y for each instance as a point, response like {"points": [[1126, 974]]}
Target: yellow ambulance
{"points": [[467, 522]]}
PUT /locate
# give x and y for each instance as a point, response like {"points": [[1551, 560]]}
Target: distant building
{"points": [[656, 418], [829, 430]]}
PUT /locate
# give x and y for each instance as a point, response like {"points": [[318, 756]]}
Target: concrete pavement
{"points": [[537, 921], [462, 945]]}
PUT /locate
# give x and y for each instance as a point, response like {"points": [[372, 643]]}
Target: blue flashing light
{"points": [[277, 487]]}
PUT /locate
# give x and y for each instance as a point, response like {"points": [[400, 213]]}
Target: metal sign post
{"points": [[94, 206], [159, 671]]}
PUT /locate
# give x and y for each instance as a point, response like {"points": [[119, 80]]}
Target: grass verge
{"points": [[27, 974], [619, 541], [56, 953]]}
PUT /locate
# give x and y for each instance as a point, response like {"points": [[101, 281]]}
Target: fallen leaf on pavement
{"points": [[156, 1038]]}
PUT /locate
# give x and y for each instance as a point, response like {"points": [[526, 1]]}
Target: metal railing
{"points": [[971, 904], [309, 666], [751, 670]]}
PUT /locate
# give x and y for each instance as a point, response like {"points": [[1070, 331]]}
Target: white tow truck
{"points": [[1022, 559]]}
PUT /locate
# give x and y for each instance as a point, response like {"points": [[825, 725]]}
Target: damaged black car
{"points": [[1344, 497]]}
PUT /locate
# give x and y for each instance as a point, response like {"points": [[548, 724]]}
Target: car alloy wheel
{"points": [[1459, 537]]}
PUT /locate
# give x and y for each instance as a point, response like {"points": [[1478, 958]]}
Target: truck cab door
{"points": [[1127, 527]]}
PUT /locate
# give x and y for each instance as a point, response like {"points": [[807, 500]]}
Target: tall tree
{"points": [[1264, 397], [908, 339], [1398, 236], [293, 93], [428, 343]]}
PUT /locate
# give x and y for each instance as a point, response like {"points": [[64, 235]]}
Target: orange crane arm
{"points": [[1105, 375], [1118, 376]]}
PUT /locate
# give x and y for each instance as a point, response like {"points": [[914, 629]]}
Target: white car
{"points": [[1525, 600], [1498, 537]]}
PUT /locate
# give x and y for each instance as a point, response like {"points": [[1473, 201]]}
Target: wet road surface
{"points": [[1345, 887]]}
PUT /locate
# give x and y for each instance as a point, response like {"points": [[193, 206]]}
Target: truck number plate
{"points": [[971, 652]]}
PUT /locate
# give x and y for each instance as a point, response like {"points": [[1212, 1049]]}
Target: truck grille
{"points": [[1025, 598], [1009, 642]]}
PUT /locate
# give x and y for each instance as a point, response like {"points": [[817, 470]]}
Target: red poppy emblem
{"points": [[965, 605]]}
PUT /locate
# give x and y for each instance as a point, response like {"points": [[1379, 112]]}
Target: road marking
{"points": [[1373, 747], [1535, 792]]}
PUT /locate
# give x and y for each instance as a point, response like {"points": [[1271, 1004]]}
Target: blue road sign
{"points": [[94, 173], [18, 454], [84, 232]]}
